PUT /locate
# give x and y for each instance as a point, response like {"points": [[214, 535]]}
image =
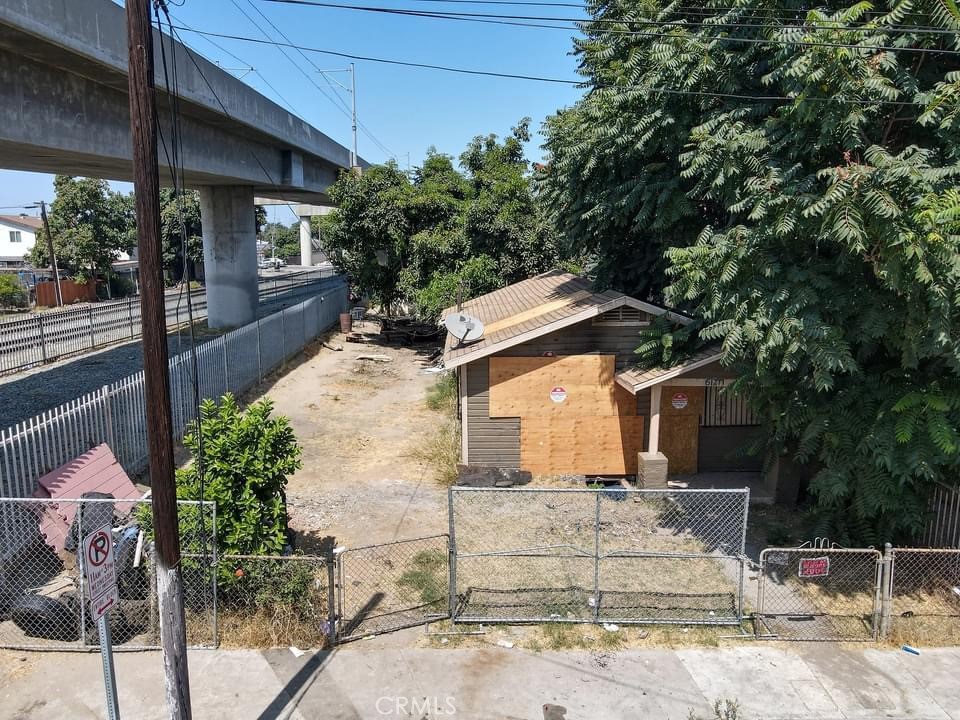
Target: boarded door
{"points": [[680, 411]]}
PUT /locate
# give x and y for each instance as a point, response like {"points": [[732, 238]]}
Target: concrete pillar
{"points": [[306, 244], [229, 254], [653, 444]]}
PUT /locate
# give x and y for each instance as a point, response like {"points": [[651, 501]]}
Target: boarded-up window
{"points": [[723, 408]]}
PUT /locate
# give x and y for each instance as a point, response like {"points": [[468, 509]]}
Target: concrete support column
{"points": [[306, 244], [653, 444], [229, 254]]}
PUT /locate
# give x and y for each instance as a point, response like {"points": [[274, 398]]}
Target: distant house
{"points": [[552, 387], [18, 234]]}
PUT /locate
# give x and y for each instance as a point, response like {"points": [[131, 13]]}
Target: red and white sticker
{"points": [[679, 400], [558, 394], [815, 567]]}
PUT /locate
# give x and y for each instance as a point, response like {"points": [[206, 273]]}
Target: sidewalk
{"points": [[358, 682]]}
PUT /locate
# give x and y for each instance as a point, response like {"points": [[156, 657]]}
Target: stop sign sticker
{"points": [[558, 394], [679, 400]]}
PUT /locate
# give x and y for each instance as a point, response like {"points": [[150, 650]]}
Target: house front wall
{"points": [[11, 249], [496, 441]]}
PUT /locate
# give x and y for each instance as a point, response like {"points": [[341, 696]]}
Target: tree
{"points": [[90, 224], [425, 238], [179, 222], [815, 230], [284, 240], [12, 292]]}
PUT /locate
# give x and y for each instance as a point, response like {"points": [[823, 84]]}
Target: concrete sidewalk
{"points": [[358, 682]]}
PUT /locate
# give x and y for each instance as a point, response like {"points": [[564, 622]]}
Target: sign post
{"points": [[101, 576]]}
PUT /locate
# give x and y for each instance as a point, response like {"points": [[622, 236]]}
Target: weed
{"points": [[722, 710], [442, 395], [440, 450], [428, 576]]}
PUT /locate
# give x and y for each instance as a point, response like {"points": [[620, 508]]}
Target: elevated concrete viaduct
{"points": [[64, 109]]}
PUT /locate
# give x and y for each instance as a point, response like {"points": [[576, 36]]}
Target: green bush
{"points": [[246, 460], [12, 292]]}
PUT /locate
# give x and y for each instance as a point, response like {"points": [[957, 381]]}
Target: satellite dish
{"points": [[463, 326]]}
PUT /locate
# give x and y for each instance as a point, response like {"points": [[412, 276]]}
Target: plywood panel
{"points": [[521, 386], [603, 445], [680, 427]]}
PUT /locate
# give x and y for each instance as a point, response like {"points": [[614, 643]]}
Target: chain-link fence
{"points": [[392, 586], [819, 593], [603, 555], [922, 597], [42, 593]]}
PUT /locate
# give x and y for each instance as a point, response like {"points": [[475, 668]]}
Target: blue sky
{"points": [[407, 109]]}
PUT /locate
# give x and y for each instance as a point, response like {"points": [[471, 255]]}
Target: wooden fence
{"points": [[70, 291], [114, 414]]}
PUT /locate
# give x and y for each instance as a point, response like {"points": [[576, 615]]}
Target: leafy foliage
{"points": [[12, 292], [179, 218], [818, 236], [423, 239], [246, 460], [283, 240]]}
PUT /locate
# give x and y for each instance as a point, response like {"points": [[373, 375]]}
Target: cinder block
{"points": [[652, 470]]}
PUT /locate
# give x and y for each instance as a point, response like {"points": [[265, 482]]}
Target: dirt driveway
{"points": [[359, 423]]}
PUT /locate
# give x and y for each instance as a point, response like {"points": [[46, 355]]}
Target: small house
{"points": [[551, 386]]}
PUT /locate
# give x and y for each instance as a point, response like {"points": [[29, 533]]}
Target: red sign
{"points": [[679, 400], [558, 394], [814, 567]]}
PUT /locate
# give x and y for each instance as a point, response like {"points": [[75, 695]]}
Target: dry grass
{"points": [[280, 626], [439, 449]]}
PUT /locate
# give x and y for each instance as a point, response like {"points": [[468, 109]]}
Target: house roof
{"points": [[636, 379], [27, 221], [535, 307]]}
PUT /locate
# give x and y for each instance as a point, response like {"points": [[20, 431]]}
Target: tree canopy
{"points": [[421, 239], [796, 189]]}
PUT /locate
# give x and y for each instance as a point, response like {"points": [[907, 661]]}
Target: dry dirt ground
{"points": [[359, 423]]}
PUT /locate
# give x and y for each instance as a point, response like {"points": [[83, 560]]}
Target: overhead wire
{"points": [[564, 81]]}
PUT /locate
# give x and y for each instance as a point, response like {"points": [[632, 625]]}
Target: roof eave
{"points": [[667, 375]]}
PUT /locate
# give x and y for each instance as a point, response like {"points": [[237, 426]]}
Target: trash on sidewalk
{"points": [[297, 652], [610, 627], [504, 644], [910, 650]]}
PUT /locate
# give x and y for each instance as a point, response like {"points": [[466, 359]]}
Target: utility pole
{"points": [[353, 97], [51, 252], [146, 181]]}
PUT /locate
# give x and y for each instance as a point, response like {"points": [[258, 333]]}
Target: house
{"points": [[552, 387], [18, 234]]}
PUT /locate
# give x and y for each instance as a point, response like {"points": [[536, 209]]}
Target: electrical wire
{"points": [[562, 81], [452, 15]]}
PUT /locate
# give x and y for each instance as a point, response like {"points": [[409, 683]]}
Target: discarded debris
{"points": [[355, 338], [297, 652], [677, 484], [911, 650], [335, 348], [505, 644], [375, 358], [610, 627]]}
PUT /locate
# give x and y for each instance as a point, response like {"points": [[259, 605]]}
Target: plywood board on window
{"points": [[584, 385], [602, 445]]}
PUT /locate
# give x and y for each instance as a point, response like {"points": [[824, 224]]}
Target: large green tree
{"points": [[180, 227], [90, 224], [799, 192], [442, 231]]}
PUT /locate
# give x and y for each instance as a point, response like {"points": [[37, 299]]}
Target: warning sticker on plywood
{"points": [[558, 394], [679, 400]]}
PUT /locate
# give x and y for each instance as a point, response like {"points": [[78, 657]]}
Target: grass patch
{"points": [[442, 395], [428, 576], [440, 448]]}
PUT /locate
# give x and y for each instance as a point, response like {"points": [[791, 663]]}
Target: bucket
{"points": [[346, 322]]}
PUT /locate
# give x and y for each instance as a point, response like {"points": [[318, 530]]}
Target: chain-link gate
{"points": [[922, 597], [597, 555], [391, 586], [819, 592]]}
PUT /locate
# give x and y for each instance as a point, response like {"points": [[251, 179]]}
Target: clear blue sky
{"points": [[407, 109]]}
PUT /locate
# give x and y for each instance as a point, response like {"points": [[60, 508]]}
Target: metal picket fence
{"points": [[942, 528], [114, 414], [42, 590], [44, 337], [604, 555]]}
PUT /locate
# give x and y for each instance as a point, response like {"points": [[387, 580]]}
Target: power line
{"points": [[451, 15], [562, 81]]}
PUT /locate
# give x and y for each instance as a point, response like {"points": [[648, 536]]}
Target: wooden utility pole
{"points": [[146, 182], [51, 252]]}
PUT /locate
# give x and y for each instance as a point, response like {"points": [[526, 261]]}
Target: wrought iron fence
{"points": [[43, 337], [604, 555], [392, 586], [921, 598], [115, 414], [42, 593], [819, 592], [942, 528]]}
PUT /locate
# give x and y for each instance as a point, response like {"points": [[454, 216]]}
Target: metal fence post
{"points": [[452, 557], [886, 590], [109, 412], [43, 338], [331, 595], [259, 359], [596, 560], [130, 316], [83, 590], [90, 319]]}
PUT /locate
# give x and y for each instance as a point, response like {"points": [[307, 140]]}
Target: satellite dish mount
{"points": [[463, 327]]}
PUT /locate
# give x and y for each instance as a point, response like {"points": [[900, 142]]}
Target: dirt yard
{"points": [[360, 423]]}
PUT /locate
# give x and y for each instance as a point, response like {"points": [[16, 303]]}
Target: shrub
{"points": [[246, 459], [12, 292]]}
